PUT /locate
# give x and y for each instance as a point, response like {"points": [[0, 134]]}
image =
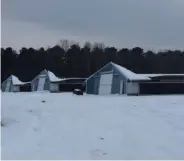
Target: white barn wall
{"points": [[41, 83], [132, 88], [54, 87], [105, 83]]}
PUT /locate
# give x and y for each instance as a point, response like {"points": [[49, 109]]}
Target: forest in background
{"points": [[69, 59]]}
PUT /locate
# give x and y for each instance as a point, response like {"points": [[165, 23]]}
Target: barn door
{"points": [[105, 84], [7, 89], [41, 84]]}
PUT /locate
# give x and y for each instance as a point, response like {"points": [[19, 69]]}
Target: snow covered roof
{"points": [[53, 77], [129, 74], [16, 81], [157, 75], [133, 76], [65, 79]]}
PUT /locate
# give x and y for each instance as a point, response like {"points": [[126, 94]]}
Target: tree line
{"points": [[71, 60]]}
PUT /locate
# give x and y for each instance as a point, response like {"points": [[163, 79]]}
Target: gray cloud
{"points": [[151, 24]]}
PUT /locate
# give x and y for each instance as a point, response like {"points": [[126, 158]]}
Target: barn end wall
{"points": [[3, 86], [92, 84], [34, 82]]}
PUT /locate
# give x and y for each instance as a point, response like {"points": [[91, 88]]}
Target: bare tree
{"points": [[65, 44], [99, 45], [88, 45]]}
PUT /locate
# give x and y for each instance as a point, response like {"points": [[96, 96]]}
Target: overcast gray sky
{"points": [[151, 24]]}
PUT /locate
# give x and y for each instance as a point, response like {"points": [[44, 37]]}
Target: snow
{"points": [[129, 74], [65, 79], [77, 89], [134, 76], [16, 81], [53, 77], [64, 126], [157, 75]]}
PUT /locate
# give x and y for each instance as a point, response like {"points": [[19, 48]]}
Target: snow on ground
{"points": [[65, 126]]}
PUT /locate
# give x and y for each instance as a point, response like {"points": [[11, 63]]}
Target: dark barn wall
{"points": [[96, 84], [25, 88], [90, 86], [70, 87], [47, 84], [161, 88], [172, 84]]}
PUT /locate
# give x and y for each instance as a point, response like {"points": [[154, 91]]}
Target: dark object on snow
{"points": [[78, 92], [43, 101]]}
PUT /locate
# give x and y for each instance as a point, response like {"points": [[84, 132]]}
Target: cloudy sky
{"points": [[151, 24]]}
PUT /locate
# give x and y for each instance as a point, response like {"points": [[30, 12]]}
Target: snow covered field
{"points": [[65, 126]]}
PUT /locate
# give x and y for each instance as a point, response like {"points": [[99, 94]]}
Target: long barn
{"points": [[115, 79], [48, 81], [13, 84]]}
